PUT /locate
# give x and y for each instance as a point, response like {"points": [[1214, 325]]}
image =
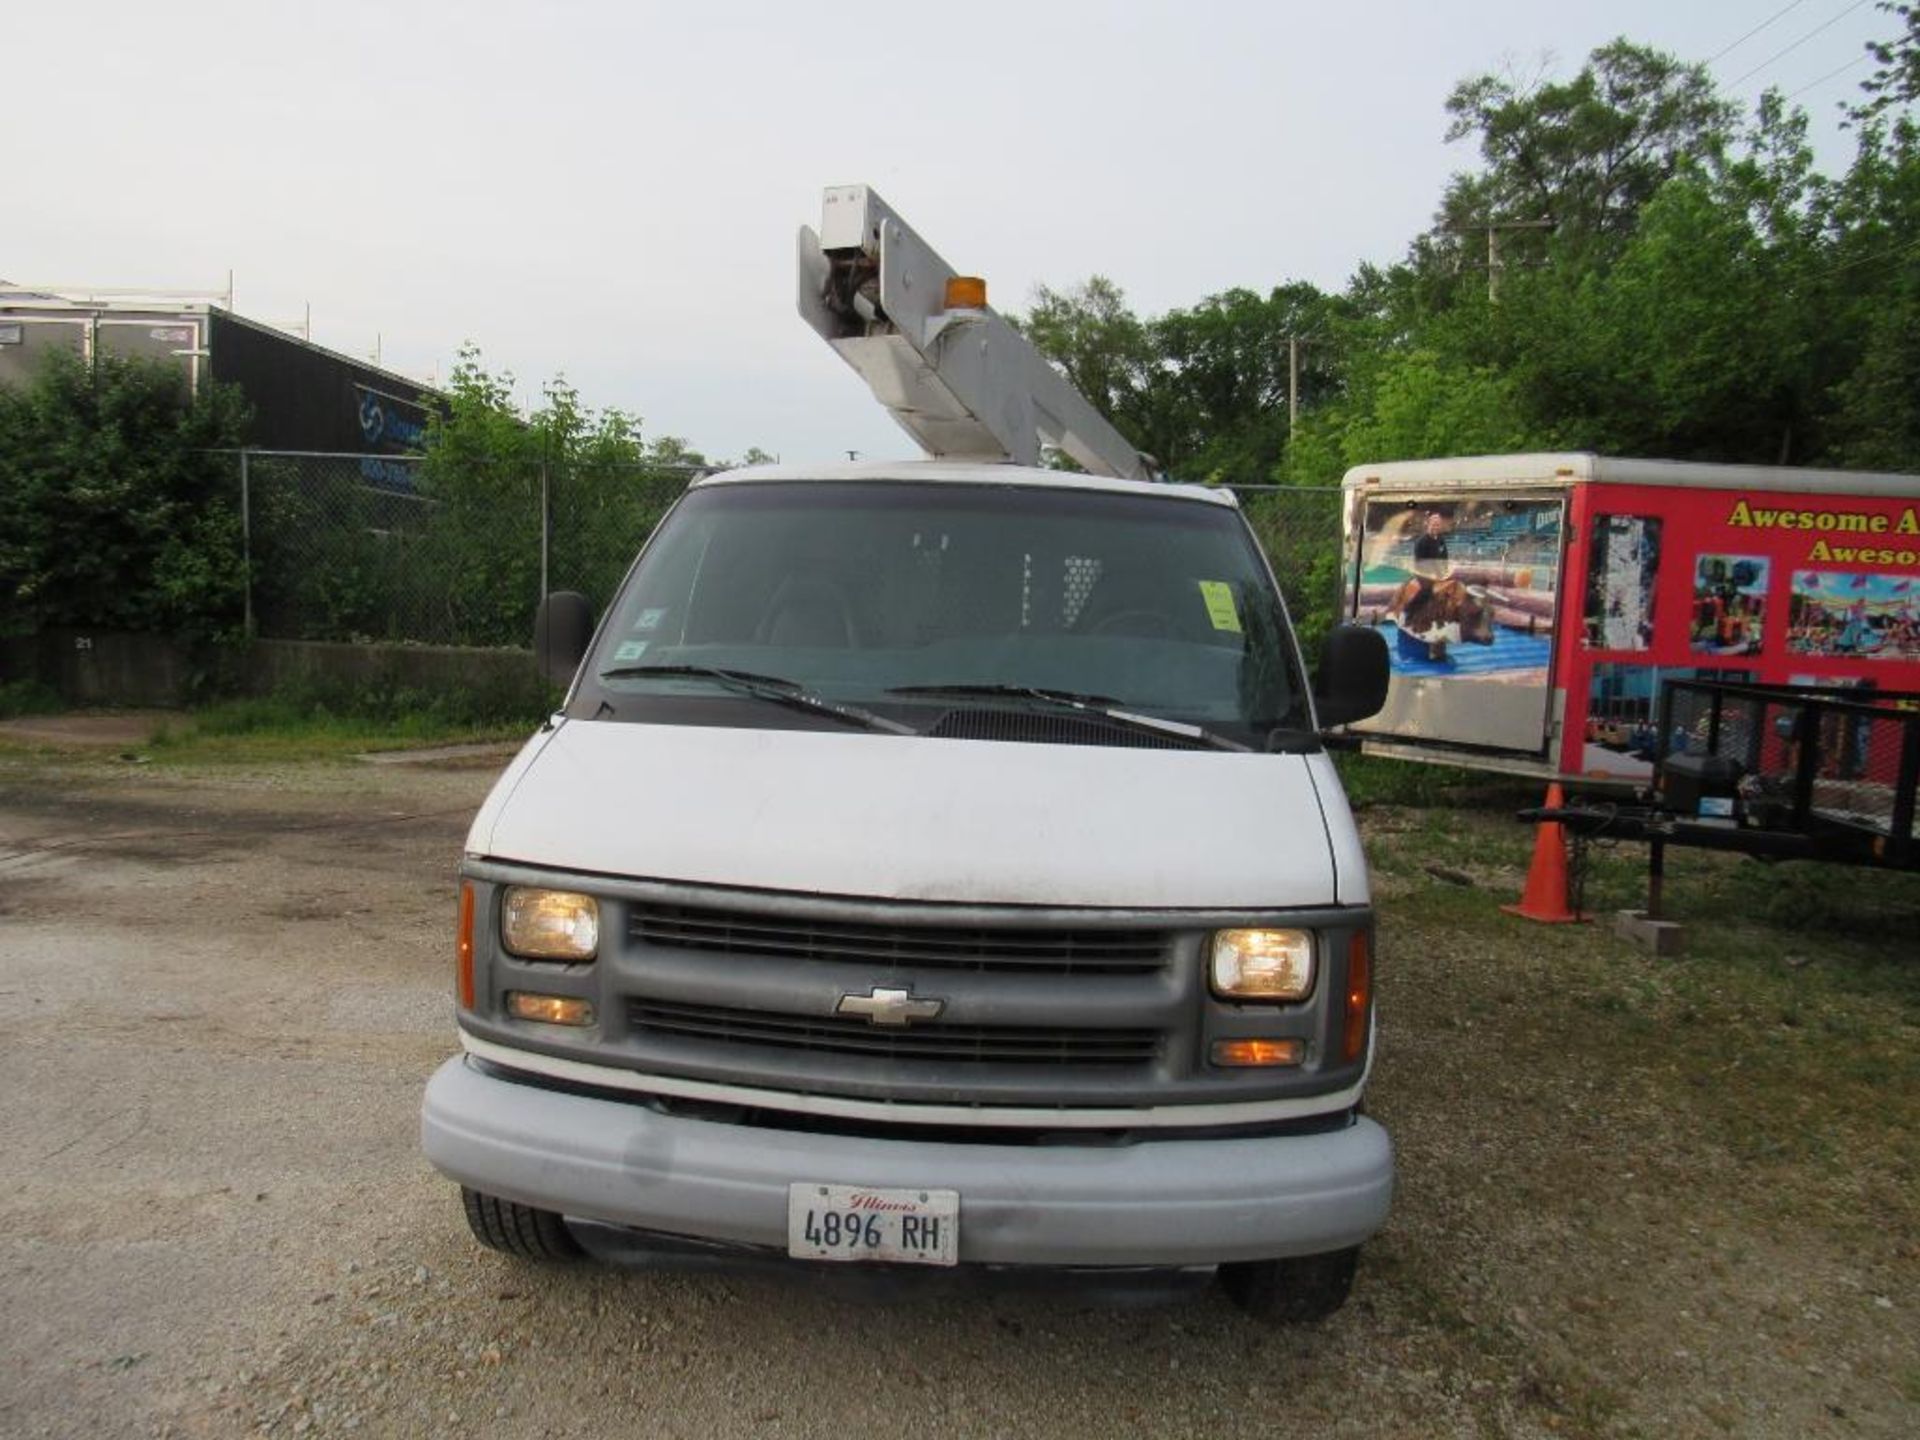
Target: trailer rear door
{"points": [[1465, 586]]}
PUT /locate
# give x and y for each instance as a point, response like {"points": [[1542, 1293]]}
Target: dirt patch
{"points": [[483, 755], [87, 729]]}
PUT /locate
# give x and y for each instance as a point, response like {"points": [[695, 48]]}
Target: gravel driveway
{"points": [[227, 989]]}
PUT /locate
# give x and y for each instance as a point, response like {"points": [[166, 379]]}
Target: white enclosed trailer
{"points": [[1535, 603]]}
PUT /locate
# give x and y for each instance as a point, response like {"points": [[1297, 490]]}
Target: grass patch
{"points": [[1784, 1037], [297, 725], [1371, 780]]}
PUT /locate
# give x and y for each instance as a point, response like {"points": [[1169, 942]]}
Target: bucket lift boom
{"points": [[956, 376]]}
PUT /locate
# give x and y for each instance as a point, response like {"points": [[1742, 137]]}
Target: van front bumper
{"points": [[1176, 1202]]}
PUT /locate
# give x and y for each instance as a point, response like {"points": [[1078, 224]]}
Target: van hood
{"points": [[911, 818]]}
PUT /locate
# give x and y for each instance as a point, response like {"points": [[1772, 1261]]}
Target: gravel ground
{"points": [[230, 986]]}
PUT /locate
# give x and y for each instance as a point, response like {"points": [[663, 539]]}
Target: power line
{"points": [[1825, 25], [1855, 264], [1778, 14], [1837, 70]]}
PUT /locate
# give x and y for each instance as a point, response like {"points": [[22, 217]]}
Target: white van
{"points": [[933, 863]]}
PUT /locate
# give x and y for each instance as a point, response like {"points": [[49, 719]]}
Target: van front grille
{"points": [[1004, 1044], [958, 947]]}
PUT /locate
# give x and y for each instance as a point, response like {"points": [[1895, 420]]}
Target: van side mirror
{"points": [[1352, 680], [562, 630]]}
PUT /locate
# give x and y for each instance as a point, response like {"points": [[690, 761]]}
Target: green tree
{"points": [[112, 511], [482, 476], [494, 477], [1704, 293], [1203, 390], [1874, 281], [1583, 154], [1220, 386], [1418, 405], [1896, 79], [1099, 344], [1686, 347], [1708, 331]]}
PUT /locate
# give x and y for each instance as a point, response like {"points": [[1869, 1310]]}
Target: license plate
{"points": [[851, 1222]]}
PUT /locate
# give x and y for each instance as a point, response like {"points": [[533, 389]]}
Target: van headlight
{"points": [[1262, 964], [549, 924]]}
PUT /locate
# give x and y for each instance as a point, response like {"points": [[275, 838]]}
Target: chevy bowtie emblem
{"points": [[883, 1006]]}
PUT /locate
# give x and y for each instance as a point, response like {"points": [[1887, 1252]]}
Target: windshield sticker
{"points": [[629, 650], [1220, 608], [650, 619]]}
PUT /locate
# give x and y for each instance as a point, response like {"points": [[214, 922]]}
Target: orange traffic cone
{"points": [[1545, 898]]}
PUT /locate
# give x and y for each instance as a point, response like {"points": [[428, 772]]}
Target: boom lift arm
{"points": [[955, 375]]}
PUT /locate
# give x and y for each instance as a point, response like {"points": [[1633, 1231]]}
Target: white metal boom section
{"points": [[958, 378]]}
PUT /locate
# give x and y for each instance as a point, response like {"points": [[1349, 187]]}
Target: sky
{"points": [[609, 191]]}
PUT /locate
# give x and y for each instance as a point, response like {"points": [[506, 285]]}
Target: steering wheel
{"points": [[1147, 624]]}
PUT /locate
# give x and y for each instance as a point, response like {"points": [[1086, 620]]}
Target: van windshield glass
{"points": [[904, 600]]}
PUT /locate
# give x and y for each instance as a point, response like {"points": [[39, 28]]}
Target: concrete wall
{"points": [[100, 667], [115, 668]]}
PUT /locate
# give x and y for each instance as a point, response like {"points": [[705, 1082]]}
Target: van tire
{"points": [[1296, 1291], [518, 1230]]}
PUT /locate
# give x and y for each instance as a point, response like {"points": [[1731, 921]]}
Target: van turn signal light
{"points": [[1359, 997], [549, 1009], [463, 948], [1258, 1053]]}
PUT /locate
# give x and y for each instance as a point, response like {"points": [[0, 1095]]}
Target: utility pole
{"points": [[1293, 384], [1495, 266], [1294, 342]]}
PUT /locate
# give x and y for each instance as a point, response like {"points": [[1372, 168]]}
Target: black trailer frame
{"points": [[1811, 773]]}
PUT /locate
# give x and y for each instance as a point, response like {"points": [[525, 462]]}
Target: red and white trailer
{"points": [[1533, 604]]}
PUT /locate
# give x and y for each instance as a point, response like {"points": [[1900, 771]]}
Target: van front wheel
{"points": [[1295, 1291], [518, 1230]]}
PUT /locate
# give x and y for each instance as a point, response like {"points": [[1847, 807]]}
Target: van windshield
{"points": [[900, 601]]}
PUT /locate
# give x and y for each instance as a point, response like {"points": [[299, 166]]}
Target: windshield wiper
{"points": [[1105, 706], [774, 688]]}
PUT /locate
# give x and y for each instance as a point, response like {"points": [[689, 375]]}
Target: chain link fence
{"points": [[1299, 528], [367, 548], [381, 548]]}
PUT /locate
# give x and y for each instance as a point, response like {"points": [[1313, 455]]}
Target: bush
{"points": [[28, 697], [112, 513]]}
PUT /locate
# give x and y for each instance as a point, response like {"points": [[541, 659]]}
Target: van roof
{"points": [[1548, 468], [969, 472]]}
